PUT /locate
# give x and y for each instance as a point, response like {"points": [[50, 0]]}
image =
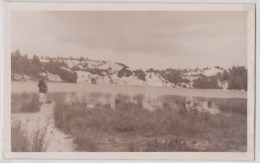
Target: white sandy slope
{"points": [[57, 141]]}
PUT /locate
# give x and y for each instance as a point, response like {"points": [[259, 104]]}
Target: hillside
{"points": [[85, 70]]}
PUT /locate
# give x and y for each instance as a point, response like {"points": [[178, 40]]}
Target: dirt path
{"points": [[57, 141]]}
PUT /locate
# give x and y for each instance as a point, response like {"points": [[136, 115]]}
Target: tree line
{"points": [[21, 64]]}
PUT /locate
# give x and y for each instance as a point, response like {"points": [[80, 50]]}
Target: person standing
{"points": [[43, 88]]}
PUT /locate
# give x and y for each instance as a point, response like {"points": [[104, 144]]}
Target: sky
{"points": [[139, 39]]}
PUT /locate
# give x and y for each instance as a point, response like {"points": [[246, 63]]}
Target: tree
{"points": [[140, 74], [124, 72], [237, 78], [57, 68], [172, 75], [36, 60], [204, 82]]}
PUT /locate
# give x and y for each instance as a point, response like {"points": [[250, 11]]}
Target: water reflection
{"points": [[142, 101]]}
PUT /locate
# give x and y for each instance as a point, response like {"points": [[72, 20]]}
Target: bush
{"points": [[140, 74], [58, 68], [204, 82], [237, 78], [68, 76], [124, 72], [76, 68], [21, 64], [98, 71], [172, 75]]}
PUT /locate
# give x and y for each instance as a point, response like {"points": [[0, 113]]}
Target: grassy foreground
{"points": [[21, 141], [130, 127]]}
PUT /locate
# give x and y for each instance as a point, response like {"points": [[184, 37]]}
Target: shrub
{"points": [[204, 82], [140, 74], [21, 64], [124, 72], [172, 75], [76, 68], [57, 68], [237, 78], [97, 71]]}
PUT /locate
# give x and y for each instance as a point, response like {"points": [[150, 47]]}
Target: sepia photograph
{"points": [[102, 80]]}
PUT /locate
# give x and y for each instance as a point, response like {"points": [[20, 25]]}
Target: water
{"points": [[19, 87], [150, 98]]}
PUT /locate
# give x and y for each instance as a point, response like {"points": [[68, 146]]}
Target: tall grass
{"points": [[25, 102], [233, 106], [130, 121], [39, 143], [21, 141], [173, 144]]}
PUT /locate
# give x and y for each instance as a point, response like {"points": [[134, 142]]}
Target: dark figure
{"points": [[43, 89]]}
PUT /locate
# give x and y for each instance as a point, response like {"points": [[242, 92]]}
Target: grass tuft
{"points": [[21, 141]]}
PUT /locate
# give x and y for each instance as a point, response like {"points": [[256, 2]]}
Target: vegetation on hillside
{"points": [[236, 77], [204, 82], [61, 69], [21, 64]]}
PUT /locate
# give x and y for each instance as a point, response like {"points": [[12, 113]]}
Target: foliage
{"points": [[60, 69], [21, 64], [140, 74], [204, 82], [172, 75], [124, 72], [97, 71], [121, 64], [132, 120], [151, 70], [76, 68], [237, 78]]}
